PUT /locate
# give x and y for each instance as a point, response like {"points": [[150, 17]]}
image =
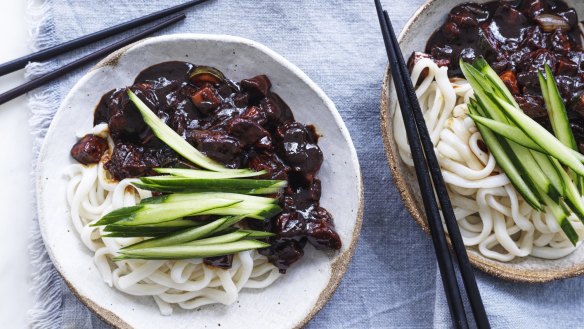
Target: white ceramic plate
{"points": [[295, 298], [413, 38]]}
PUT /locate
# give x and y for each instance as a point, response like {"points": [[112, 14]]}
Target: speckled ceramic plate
{"points": [[295, 298], [413, 38]]}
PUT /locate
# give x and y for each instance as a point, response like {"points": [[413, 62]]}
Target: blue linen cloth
{"points": [[392, 281]]}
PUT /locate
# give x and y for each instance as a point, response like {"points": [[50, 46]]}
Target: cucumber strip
{"points": [[544, 90], [482, 66], [181, 197], [137, 234], [519, 155], [506, 164], [175, 141], [533, 171], [514, 134], [183, 236], [178, 223], [226, 238], [559, 117], [549, 169], [229, 223], [561, 214], [572, 196], [181, 188], [152, 214], [149, 230], [557, 112], [542, 137], [158, 213], [480, 85], [194, 173], [257, 234], [240, 210], [507, 131], [117, 215], [186, 252]]}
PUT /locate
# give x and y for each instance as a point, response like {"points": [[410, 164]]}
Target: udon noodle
{"points": [[188, 283], [490, 213]]}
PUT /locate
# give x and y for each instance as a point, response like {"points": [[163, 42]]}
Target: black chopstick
{"points": [[445, 264], [28, 86], [464, 265], [48, 53], [416, 130]]}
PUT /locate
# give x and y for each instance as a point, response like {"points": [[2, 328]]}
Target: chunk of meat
{"points": [[246, 131], [130, 160], [89, 149], [300, 150], [255, 114], [283, 253], [275, 167], [215, 144], [257, 87], [206, 99], [321, 230]]}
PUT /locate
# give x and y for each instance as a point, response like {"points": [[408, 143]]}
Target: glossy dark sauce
{"points": [[241, 125], [518, 38]]}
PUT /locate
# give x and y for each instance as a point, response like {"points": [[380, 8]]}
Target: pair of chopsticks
{"points": [[51, 52], [426, 165]]}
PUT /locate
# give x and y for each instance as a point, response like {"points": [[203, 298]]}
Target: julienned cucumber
{"points": [[559, 117], [557, 111], [173, 184], [181, 197], [185, 252], [524, 149], [158, 213], [187, 235], [542, 137], [515, 134], [506, 164], [175, 141]]}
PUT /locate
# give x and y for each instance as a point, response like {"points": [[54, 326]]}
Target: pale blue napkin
{"points": [[392, 281]]}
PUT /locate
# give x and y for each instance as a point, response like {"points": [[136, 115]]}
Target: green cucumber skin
{"points": [[561, 214], [514, 134], [258, 234], [226, 238], [158, 213], [117, 215], [559, 192], [521, 159], [543, 138], [187, 252], [507, 131], [181, 236], [183, 197], [557, 113]]}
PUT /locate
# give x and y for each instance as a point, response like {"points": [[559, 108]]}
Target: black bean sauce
{"points": [[518, 38], [241, 125]]}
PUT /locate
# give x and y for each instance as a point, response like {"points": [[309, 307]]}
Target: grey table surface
{"points": [[392, 280]]}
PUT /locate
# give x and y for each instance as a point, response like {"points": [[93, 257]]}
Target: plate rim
{"points": [[339, 265], [489, 266]]}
